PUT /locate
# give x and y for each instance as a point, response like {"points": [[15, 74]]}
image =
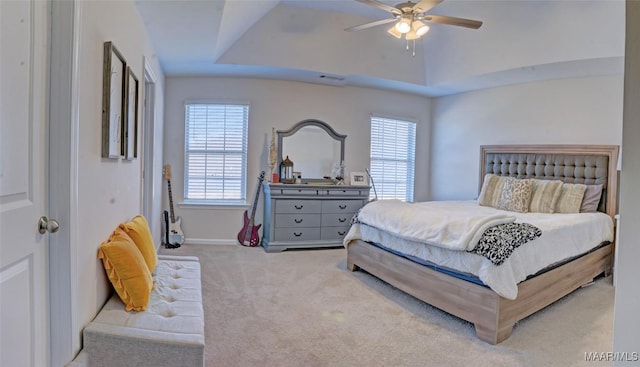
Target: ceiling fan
{"points": [[411, 18]]}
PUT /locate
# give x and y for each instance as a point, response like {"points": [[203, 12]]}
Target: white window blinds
{"points": [[393, 147], [216, 152]]}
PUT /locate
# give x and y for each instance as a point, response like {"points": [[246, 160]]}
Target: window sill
{"points": [[195, 204]]}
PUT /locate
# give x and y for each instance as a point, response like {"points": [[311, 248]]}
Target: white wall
{"points": [[281, 104], [312, 39], [627, 303], [530, 39], [564, 111], [521, 35], [109, 189]]}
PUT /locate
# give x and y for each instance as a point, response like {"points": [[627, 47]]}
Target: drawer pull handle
{"points": [[298, 206], [297, 234], [342, 206], [342, 220], [341, 233], [298, 221]]}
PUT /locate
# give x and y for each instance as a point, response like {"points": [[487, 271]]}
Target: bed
{"points": [[469, 298]]}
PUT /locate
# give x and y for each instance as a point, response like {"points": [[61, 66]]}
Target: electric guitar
{"points": [[248, 235], [174, 236]]}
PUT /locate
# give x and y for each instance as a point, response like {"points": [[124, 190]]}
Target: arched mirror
{"points": [[313, 146]]}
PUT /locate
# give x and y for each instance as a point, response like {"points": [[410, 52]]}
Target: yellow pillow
{"points": [[138, 230], [126, 270]]}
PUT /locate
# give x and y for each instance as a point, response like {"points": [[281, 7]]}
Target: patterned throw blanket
{"points": [[498, 242]]}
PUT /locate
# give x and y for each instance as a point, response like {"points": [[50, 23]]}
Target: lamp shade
{"points": [[394, 32], [404, 24], [420, 28]]}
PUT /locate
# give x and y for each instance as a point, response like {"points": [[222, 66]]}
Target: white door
{"points": [[23, 179]]}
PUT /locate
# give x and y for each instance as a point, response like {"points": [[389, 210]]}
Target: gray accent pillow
{"points": [[570, 198], [545, 195], [591, 199], [516, 195]]}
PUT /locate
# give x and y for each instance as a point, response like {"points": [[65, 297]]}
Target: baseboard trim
{"points": [[207, 241]]}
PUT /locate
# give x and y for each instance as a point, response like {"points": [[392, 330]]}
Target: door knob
{"points": [[47, 225]]}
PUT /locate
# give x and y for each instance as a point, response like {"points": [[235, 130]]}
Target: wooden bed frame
{"points": [[494, 316]]}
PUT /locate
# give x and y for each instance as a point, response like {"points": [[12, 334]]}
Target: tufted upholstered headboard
{"points": [[587, 164]]}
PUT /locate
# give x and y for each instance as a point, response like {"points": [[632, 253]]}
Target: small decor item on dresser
{"points": [[286, 171], [359, 179], [338, 173], [273, 156], [248, 235]]}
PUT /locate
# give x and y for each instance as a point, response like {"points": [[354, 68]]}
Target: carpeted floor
{"points": [[304, 308]]}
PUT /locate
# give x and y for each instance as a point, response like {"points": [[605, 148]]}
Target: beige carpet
{"points": [[304, 308]]}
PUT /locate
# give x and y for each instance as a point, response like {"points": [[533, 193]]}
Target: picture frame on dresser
{"points": [[358, 179]]}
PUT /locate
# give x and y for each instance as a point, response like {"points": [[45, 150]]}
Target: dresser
{"points": [[308, 216]]}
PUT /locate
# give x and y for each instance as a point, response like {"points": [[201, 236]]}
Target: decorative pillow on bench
{"points": [[138, 230], [127, 270]]}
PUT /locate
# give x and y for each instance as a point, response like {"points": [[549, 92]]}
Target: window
{"points": [[393, 150], [216, 153]]}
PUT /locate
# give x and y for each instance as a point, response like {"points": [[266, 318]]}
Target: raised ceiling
{"points": [[520, 41]]}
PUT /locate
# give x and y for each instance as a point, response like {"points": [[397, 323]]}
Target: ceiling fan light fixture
{"points": [[404, 24], [394, 32], [420, 28], [412, 35]]}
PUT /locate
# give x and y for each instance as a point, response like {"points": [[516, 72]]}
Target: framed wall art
{"points": [[113, 109], [131, 119]]}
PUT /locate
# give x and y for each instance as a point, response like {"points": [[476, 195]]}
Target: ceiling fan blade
{"points": [[381, 5], [425, 5], [370, 24], [468, 23]]}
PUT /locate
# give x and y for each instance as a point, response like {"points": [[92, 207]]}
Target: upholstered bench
{"points": [[169, 333]]}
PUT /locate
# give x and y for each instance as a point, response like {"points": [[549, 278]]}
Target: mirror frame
{"points": [[310, 122]]}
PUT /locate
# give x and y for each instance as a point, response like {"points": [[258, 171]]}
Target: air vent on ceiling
{"points": [[332, 77]]}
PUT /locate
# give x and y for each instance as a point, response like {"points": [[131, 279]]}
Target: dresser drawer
{"points": [[334, 233], [297, 220], [336, 219], [341, 206], [294, 191], [344, 192], [297, 234], [298, 206]]}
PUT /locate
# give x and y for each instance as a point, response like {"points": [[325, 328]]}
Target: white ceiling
{"points": [[305, 40]]}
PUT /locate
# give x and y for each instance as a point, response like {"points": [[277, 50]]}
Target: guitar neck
{"points": [[255, 199], [173, 218], [255, 204]]}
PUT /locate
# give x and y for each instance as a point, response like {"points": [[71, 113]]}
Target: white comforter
{"points": [[449, 224], [563, 236]]}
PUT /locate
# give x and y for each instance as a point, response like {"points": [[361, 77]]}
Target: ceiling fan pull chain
{"points": [[414, 48]]}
